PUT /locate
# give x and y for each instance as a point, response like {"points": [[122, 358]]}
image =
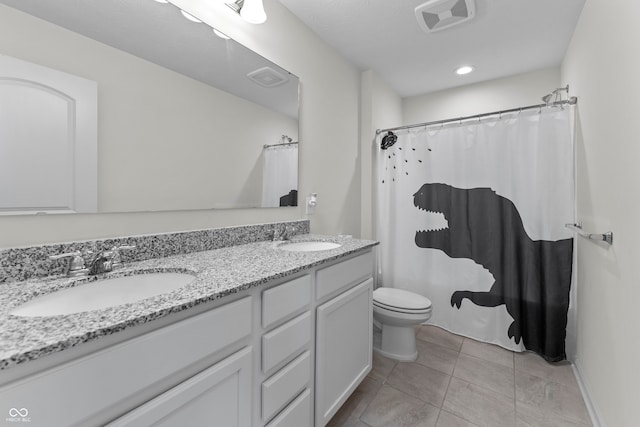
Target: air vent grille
{"points": [[268, 77], [436, 15]]}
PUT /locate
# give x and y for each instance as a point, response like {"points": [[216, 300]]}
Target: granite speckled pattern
{"points": [[220, 272], [19, 264]]}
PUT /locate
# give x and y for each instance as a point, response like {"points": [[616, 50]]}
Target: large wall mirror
{"points": [[128, 106]]}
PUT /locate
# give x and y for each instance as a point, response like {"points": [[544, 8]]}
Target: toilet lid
{"points": [[400, 299]]}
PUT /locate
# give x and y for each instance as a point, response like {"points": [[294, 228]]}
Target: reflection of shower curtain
{"points": [[279, 173], [472, 216]]}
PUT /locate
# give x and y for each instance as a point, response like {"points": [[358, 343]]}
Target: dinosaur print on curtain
{"points": [[472, 216]]}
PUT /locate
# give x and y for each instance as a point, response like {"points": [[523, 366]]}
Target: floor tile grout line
{"points": [[457, 354], [482, 384], [449, 385], [544, 377], [369, 404], [450, 378], [487, 359], [499, 365]]}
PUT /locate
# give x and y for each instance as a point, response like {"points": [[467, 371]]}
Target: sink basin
{"points": [[309, 246], [103, 293]]}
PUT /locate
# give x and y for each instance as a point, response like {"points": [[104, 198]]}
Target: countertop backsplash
{"points": [[19, 264]]}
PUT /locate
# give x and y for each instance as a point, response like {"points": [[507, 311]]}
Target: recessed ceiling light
{"points": [[162, 1], [465, 69]]}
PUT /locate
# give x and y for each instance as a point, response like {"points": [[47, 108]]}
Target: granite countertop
{"points": [[219, 273]]}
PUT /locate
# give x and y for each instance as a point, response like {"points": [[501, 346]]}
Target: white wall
{"points": [[328, 142], [602, 66], [380, 107], [493, 95], [329, 93]]}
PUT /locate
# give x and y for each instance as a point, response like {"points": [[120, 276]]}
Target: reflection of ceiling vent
{"points": [[268, 77], [436, 15]]}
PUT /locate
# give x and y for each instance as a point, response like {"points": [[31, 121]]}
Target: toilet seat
{"points": [[401, 301], [397, 313], [401, 310]]}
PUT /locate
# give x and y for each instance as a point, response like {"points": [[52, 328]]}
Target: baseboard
{"points": [[596, 419]]}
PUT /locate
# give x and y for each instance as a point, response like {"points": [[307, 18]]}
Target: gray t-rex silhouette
{"points": [[532, 277]]}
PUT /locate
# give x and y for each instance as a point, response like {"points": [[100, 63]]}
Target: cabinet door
{"points": [[217, 396], [343, 348]]}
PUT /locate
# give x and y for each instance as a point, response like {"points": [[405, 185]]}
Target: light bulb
{"points": [[190, 17], [221, 34], [253, 12]]}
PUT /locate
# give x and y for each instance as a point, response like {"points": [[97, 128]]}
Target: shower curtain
{"points": [[279, 173], [472, 214]]}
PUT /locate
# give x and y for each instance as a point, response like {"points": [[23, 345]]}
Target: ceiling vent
{"points": [[268, 77], [436, 15]]}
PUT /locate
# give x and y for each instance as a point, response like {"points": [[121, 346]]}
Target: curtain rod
{"points": [[282, 143], [571, 101]]}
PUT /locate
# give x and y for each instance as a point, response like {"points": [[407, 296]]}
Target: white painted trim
{"points": [[80, 96], [594, 413]]}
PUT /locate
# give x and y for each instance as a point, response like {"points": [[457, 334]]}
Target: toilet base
{"points": [[398, 342]]}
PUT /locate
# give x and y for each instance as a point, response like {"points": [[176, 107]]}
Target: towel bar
{"points": [[605, 237]]}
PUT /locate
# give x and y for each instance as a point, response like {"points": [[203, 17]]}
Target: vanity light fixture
{"points": [[190, 17], [221, 34], [465, 69], [252, 11]]}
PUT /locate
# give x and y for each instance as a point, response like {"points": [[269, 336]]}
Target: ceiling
{"points": [[505, 37]]}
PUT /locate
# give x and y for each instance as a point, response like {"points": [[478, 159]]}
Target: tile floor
{"points": [[459, 382]]}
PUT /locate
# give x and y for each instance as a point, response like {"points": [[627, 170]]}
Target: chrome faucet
{"points": [[116, 259], [75, 264], [106, 261], [287, 233], [103, 262]]}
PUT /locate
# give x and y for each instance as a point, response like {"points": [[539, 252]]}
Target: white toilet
{"points": [[398, 311]]}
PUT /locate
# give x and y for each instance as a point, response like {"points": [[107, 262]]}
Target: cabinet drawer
{"points": [[297, 414], [223, 391], [283, 342], [123, 371], [339, 276], [282, 301], [282, 387]]}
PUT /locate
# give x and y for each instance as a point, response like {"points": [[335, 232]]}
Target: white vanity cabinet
{"points": [[343, 333], [285, 354], [219, 395], [316, 342], [96, 388]]}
